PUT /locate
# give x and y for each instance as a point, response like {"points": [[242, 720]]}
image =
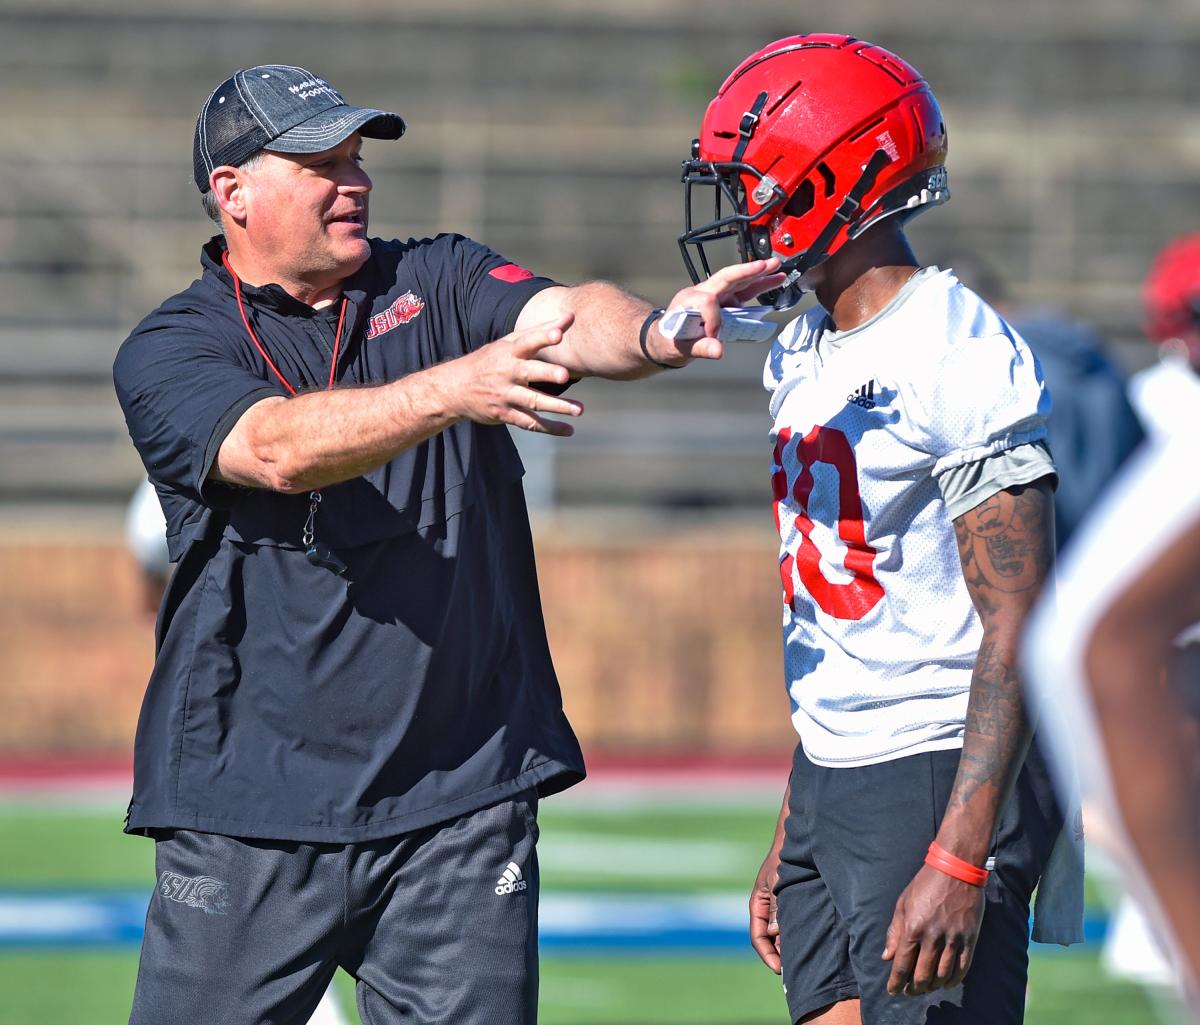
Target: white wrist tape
{"points": [[738, 324]]}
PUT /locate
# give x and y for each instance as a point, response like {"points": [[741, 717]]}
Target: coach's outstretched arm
{"points": [[605, 339], [1006, 545], [293, 445]]}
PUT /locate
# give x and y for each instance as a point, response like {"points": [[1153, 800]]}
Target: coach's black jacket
{"points": [[286, 701]]}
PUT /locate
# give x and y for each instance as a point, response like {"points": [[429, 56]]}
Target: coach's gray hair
{"points": [[209, 201]]}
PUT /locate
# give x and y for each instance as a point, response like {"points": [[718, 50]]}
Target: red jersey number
{"points": [[855, 598]]}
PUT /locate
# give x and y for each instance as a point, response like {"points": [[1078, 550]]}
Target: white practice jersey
{"points": [[1166, 397], [880, 634]]}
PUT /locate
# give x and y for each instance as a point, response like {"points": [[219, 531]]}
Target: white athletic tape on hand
{"points": [[738, 324]]}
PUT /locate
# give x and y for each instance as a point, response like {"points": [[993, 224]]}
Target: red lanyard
{"points": [[317, 553], [337, 340]]}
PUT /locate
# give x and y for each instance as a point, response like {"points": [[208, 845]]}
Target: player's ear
{"points": [[226, 185]]}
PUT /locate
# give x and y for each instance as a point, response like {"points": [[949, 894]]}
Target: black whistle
{"points": [[321, 555]]}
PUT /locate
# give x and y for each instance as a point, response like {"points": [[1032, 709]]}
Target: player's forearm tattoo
{"points": [[1006, 546], [996, 726]]}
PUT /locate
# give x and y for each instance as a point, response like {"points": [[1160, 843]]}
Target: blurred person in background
{"points": [[146, 539], [353, 711], [1104, 587], [913, 487], [1167, 394], [1092, 426]]}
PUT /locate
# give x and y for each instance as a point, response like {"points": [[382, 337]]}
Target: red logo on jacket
{"points": [[400, 312]]}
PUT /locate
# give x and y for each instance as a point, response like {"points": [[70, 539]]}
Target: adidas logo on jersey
{"points": [[510, 880], [864, 397]]}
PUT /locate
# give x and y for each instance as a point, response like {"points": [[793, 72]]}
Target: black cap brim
{"points": [[335, 125]]}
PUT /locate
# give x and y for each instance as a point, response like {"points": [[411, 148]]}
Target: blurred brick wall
{"points": [[669, 644], [663, 645], [76, 652]]}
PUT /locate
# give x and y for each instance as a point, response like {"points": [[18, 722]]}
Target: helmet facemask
{"points": [[731, 218]]}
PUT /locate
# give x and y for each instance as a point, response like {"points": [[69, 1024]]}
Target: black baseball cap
{"points": [[280, 108]]}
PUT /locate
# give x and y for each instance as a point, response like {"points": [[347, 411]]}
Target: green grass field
{"points": [[638, 847]]}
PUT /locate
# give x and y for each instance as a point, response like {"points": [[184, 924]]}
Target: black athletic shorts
{"points": [[855, 837], [437, 925]]}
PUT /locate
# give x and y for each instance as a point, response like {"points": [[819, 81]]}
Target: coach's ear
{"points": [[226, 184]]}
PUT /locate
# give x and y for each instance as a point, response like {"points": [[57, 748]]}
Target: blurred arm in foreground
{"points": [[1106, 668]]}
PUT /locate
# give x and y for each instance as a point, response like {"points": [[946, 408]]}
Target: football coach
{"points": [[353, 711]]}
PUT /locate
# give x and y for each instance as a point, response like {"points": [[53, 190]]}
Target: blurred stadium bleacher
{"points": [[551, 130]]}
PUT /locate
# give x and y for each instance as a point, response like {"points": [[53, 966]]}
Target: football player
{"points": [[1126, 594], [1166, 394], [1118, 666], [913, 496]]}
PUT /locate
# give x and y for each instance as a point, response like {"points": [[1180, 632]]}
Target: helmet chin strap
{"points": [[798, 265], [786, 295]]}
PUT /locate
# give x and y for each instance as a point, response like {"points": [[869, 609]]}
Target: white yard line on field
{"points": [[103, 917]]}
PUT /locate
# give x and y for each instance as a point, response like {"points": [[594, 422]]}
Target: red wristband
{"points": [[941, 859]]}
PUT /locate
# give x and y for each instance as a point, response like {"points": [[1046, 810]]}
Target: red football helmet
{"points": [[809, 142], [1172, 294]]}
